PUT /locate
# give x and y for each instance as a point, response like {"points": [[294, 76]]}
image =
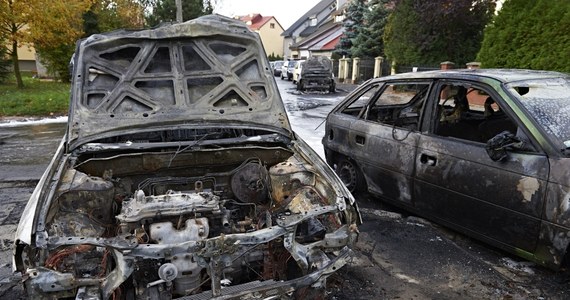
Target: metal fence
{"points": [[366, 70], [386, 68]]}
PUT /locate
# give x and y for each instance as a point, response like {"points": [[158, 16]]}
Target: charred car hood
{"points": [[202, 72]]}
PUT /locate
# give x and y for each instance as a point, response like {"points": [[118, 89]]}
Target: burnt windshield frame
{"points": [[547, 103]]}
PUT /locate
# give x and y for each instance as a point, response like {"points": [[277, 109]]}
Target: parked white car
{"points": [[287, 70], [297, 70]]}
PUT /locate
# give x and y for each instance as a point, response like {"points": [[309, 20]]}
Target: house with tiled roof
{"points": [[268, 29], [316, 32], [321, 42]]}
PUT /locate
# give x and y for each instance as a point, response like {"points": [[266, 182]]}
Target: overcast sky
{"points": [[285, 11]]}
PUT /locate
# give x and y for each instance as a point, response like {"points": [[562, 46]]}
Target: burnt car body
{"points": [[482, 151], [316, 74], [179, 177]]}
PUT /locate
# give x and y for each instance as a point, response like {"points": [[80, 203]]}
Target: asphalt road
{"points": [[398, 256]]}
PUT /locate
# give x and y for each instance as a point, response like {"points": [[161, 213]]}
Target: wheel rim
{"points": [[347, 173]]}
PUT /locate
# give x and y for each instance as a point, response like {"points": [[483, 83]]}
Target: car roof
{"points": [[502, 75]]}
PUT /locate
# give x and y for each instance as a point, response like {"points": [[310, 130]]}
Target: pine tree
{"points": [[429, 32], [354, 19], [529, 34], [369, 41]]}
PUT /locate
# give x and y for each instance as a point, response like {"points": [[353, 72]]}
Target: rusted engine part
{"points": [[182, 270], [250, 183], [296, 189], [176, 218], [84, 206]]}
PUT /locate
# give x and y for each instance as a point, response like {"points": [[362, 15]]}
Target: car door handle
{"points": [[428, 160], [360, 140]]}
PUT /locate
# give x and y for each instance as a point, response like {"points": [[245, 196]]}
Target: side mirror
{"points": [[498, 145]]}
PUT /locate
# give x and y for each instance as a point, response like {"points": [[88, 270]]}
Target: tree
{"points": [[108, 15], [54, 27], [13, 16], [368, 43], [429, 32], [274, 57], [352, 23], [165, 10], [528, 34], [5, 63]]}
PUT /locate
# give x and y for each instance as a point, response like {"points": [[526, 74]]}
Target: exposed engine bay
{"points": [[180, 177], [166, 224]]}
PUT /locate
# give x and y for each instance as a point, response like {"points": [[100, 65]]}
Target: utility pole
{"points": [[179, 11]]}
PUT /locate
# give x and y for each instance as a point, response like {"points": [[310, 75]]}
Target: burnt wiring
{"points": [[103, 270], [55, 259], [178, 151]]}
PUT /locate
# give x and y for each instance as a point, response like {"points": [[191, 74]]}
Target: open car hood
{"points": [[205, 71]]}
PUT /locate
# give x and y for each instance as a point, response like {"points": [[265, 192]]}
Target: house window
{"points": [[272, 25]]}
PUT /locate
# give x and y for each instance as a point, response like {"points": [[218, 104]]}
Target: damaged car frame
{"points": [[316, 74], [484, 151], [179, 177]]}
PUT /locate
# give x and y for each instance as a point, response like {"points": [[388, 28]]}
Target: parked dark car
{"points": [[316, 74], [277, 67], [486, 152], [180, 177]]}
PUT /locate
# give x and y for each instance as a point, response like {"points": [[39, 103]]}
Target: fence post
{"points": [[345, 62], [341, 68], [447, 65], [355, 70], [378, 66], [473, 65]]}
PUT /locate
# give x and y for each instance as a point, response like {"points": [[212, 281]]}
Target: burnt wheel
{"points": [[351, 176], [301, 85], [332, 88]]}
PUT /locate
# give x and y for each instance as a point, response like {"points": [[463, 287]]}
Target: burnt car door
{"points": [[458, 183], [382, 135], [388, 133]]}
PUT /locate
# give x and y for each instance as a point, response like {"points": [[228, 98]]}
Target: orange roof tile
{"points": [[255, 21]]}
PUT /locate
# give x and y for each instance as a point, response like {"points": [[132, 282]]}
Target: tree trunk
{"points": [[16, 65]]}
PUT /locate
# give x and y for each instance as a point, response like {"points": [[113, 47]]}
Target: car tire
{"points": [[332, 88], [301, 85], [351, 176]]}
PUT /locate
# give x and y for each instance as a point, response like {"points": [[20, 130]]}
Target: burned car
{"points": [[316, 74], [179, 177], [485, 152]]}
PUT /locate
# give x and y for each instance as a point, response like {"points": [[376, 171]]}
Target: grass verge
{"points": [[37, 98]]}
